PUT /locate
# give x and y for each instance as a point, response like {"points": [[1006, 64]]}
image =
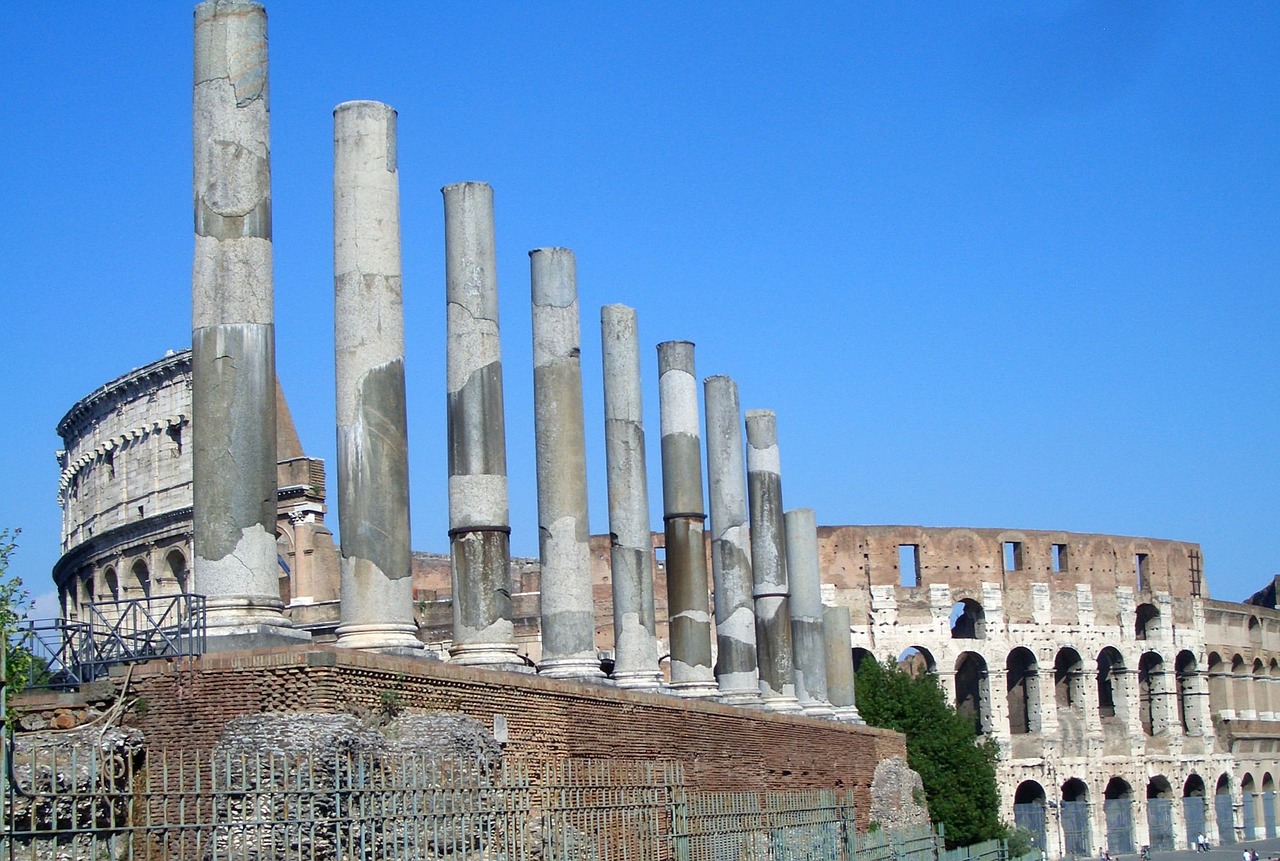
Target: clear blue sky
{"points": [[1001, 266]]}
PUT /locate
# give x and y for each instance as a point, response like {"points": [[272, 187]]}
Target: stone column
{"points": [[806, 612], [368, 326], [687, 599], [841, 678], [730, 545], [568, 612], [635, 653], [769, 563], [479, 524], [233, 328]]}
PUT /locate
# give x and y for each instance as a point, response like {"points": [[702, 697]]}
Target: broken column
{"points": [[373, 445], [730, 545], [769, 563], [568, 612], [233, 329], [841, 692], [688, 602], [479, 523], [635, 653], [809, 650]]}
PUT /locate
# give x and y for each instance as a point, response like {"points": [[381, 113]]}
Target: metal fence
{"points": [[94, 802], [114, 632]]}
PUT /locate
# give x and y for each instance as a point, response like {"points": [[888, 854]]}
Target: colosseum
{"points": [[1127, 706]]}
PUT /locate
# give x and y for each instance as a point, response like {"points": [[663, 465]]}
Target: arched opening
{"points": [[1240, 689], [1188, 713], [1160, 813], [917, 661], [1118, 806], [1268, 805], [860, 655], [1261, 690], [112, 582], [1255, 631], [142, 577], [1193, 808], [178, 569], [1029, 804], [1219, 686], [973, 699], [968, 620], [1248, 807], [1022, 694], [1146, 624], [1068, 679], [1222, 811], [1074, 812], [1110, 686], [1151, 690]]}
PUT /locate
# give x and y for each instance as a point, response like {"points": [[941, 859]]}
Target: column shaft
{"points": [[368, 325], [568, 612], [769, 563], [806, 612], [479, 523], [730, 545], [635, 662], [233, 329], [687, 598], [841, 679]]}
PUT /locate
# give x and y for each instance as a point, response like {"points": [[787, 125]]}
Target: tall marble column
{"points": [[479, 523], [806, 612], [769, 563], [687, 599], [730, 545], [368, 324], [841, 679], [568, 612], [635, 652], [233, 327]]}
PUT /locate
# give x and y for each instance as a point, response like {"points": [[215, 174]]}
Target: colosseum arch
{"points": [[1249, 807], [1261, 690], [1219, 685], [1151, 694], [917, 660], [1023, 691], [1193, 808], [1255, 631], [111, 582], [968, 620], [1117, 804], [141, 576], [1029, 805], [178, 570], [1111, 685], [1185, 676], [973, 695], [1068, 679], [1268, 805], [1146, 622], [1223, 810], [1240, 693], [1160, 813], [1073, 809]]}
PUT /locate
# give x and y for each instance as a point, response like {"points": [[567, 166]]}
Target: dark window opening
{"points": [[1013, 556], [1059, 558]]}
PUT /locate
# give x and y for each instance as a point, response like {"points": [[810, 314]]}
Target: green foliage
{"points": [[958, 771], [1021, 843], [21, 666]]}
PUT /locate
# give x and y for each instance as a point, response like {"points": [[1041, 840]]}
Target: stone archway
{"points": [[1029, 804], [1222, 811], [1118, 805], [1160, 813]]}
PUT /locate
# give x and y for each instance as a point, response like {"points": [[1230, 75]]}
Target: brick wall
{"points": [[722, 747]]}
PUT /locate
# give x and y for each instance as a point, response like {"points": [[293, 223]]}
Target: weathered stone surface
{"points": [[897, 795]]}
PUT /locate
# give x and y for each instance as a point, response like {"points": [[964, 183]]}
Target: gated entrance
{"points": [[1226, 824], [1119, 825], [1075, 828], [1269, 812], [1032, 818], [1193, 816], [1247, 814], [1160, 823]]}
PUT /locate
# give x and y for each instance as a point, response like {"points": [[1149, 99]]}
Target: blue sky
{"points": [[1001, 266]]}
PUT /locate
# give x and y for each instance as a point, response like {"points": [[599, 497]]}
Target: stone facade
{"points": [[125, 493]]}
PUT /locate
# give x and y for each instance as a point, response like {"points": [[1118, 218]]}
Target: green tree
{"points": [[21, 666], [958, 771]]}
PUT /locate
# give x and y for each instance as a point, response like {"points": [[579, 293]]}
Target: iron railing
{"points": [[74, 652], [89, 800]]}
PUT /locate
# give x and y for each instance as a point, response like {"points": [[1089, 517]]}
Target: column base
{"points": [[848, 714], [235, 638], [784, 704], [744, 699], [817, 709], [489, 656], [638, 680], [391, 639], [573, 669], [694, 690]]}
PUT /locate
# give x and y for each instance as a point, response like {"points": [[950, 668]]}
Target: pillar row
{"points": [[806, 612]]}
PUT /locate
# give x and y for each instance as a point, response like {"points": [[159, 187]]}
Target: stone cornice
{"points": [[137, 380]]}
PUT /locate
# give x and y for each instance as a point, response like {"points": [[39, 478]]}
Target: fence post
{"points": [[679, 824]]}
